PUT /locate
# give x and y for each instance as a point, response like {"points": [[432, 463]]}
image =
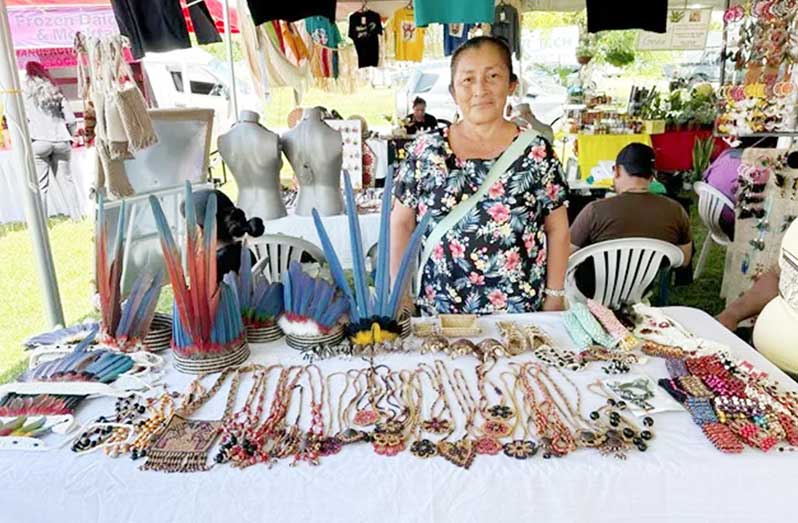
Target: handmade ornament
{"points": [[208, 333], [124, 325], [314, 310], [261, 301], [373, 317]]}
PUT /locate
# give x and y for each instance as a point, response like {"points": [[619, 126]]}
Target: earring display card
{"points": [[767, 198], [352, 137], [641, 394]]}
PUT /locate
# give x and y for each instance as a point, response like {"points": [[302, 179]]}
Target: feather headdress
{"points": [[261, 300], [124, 325], [382, 307], [312, 305], [206, 314]]}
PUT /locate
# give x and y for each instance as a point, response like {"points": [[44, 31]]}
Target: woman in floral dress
{"points": [[509, 252]]}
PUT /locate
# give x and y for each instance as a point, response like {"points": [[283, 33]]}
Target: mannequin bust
{"points": [[775, 334], [253, 154], [315, 151]]}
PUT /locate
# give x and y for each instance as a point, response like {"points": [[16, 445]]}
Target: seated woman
{"points": [[231, 225], [509, 251]]}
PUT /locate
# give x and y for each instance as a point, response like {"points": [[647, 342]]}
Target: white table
{"points": [[83, 174], [680, 478], [337, 229]]}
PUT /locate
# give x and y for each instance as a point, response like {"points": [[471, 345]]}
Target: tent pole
{"points": [[22, 158], [229, 36]]}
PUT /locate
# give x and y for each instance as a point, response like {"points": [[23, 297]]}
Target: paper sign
{"points": [[42, 27], [686, 29]]}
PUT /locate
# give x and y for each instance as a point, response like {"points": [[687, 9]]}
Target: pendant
{"points": [[364, 418], [520, 449], [488, 445], [461, 453], [423, 448], [436, 426], [496, 428]]}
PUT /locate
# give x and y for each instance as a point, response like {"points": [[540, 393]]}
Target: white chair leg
{"points": [[702, 258]]}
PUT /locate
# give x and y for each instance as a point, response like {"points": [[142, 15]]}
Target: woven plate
{"points": [[264, 334], [215, 363]]}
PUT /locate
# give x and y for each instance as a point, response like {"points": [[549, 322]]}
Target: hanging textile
{"points": [[767, 203], [409, 39], [203, 23], [454, 35], [268, 64], [266, 10], [365, 28], [452, 11], [151, 25], [507, 26], [326, 38]]}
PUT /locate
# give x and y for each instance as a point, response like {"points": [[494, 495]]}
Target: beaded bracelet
{"points": [[701, 410], [576, 331], [722, 438], [592, 326], [625, 339]]}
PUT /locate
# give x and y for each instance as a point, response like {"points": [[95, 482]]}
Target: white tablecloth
{"points": [[337, 229], [681, 478], [11, 209]]}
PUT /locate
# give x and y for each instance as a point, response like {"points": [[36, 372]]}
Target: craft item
{"points": [[373, 317], [124, 325], [576, 331], [63, 336], [160, 336], [261, 301], [183, 444], [208, 333], [313, 310], [615, 328], [459, 325], [591, 326], [14, 404]]}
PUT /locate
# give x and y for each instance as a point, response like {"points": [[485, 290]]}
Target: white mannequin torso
{"points": [[315, 151], [253, 154]]}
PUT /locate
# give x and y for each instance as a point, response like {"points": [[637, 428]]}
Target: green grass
{"points": [[370, 103]]}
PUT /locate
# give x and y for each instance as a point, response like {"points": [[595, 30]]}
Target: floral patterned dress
{"points": [[494, 259]]}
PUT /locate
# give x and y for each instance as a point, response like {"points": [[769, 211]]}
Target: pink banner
{"points": [[41, 27]]}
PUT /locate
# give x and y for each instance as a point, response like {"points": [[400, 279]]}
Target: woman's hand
{"points": [[553, 304]]}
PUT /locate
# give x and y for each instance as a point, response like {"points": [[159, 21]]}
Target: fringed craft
{"points": [[62, 336], [124, 325], [182, 446], [313, 309], [373, 316], [261, 301], [207, 330]]}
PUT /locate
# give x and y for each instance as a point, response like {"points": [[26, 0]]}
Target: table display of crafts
{"points": [[761, 94]]}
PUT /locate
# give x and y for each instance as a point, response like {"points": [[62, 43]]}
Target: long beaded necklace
{"points": [[523, 447], [237, 445], [348, 434], [554, 435], [388, 437], [463, 451]]}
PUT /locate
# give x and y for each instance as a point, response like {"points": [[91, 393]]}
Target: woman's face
{"points": [[481, 84]]}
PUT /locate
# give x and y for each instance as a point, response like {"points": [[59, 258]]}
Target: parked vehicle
{"points": [[704, 68]]}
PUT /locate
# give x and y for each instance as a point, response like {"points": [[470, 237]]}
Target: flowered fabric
{"points": [[494, 260]]}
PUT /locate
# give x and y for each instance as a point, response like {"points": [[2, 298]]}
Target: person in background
{"points": [[634, 213], [509, 251], [51, 125], [722, 175], [231, 225], [751, 303], [419, 121]]}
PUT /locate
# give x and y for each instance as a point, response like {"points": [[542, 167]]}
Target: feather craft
{"points": [[124, 324], [382, 307], [206, 315], [312, 307]]}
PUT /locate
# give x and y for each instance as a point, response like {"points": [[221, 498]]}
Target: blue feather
{"points": [[400, 284], [335, 265], [383, 275], [287, 291], [356, 242]]}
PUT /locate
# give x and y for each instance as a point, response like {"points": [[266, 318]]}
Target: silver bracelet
{"points": [[554, 293]]}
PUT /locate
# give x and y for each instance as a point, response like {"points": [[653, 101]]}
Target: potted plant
{"points": [[702, 155], [584, 54]]}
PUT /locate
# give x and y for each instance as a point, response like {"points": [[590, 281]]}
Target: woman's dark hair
{"points": [[231, 222], [419, 101], [479, 42]]}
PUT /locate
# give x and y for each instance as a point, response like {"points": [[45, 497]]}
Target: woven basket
{"points": [[334, 337], [213, 363], [264, 334], [160, 336], [405, 323]]}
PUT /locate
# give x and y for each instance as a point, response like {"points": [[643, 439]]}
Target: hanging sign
{"points": [[55, 27], [686, 29]]}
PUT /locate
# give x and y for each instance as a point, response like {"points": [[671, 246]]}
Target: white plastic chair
{"points": [[275, 252], [711, 203], [623, 268]]}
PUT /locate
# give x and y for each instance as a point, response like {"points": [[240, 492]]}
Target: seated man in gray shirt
{"points": [[633, 213]]}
